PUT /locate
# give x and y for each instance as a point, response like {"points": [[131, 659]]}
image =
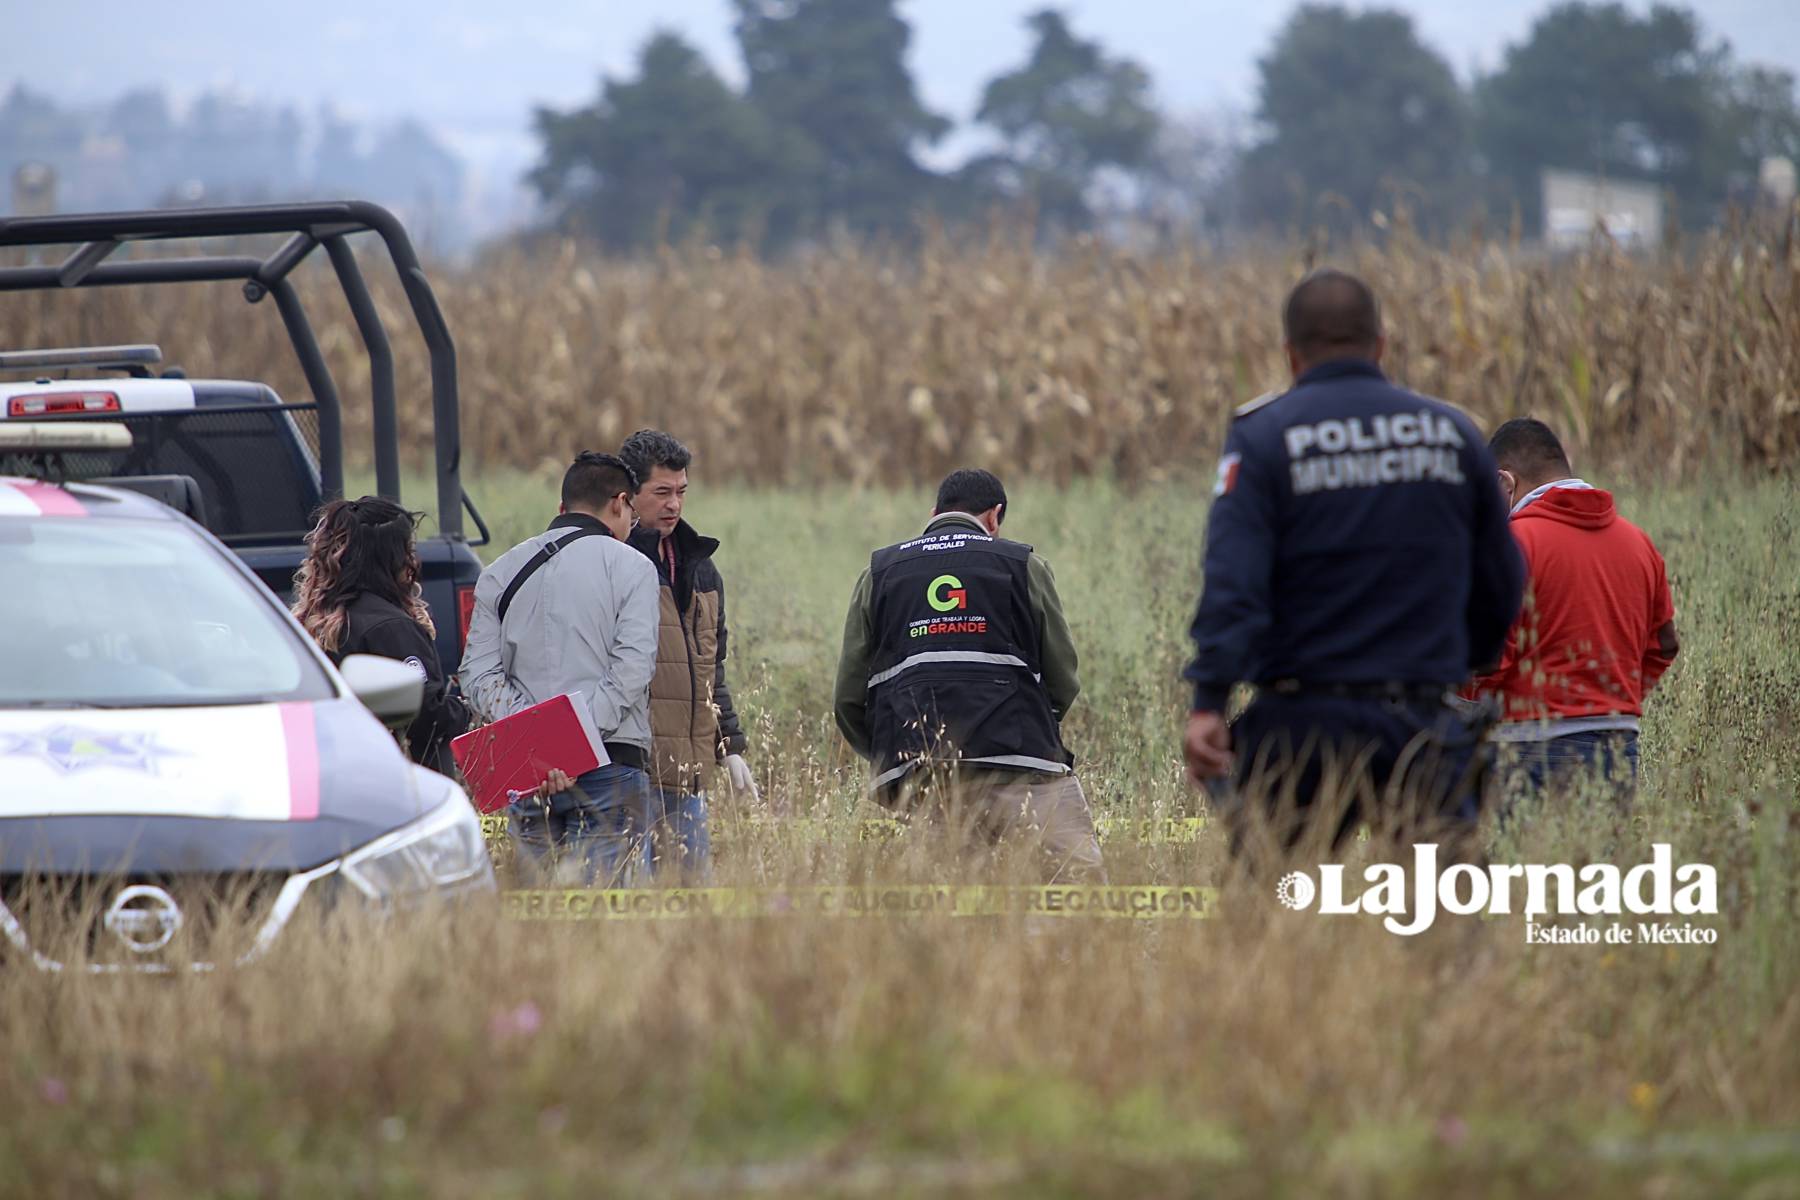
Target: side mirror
{"points": [[391, 690]]}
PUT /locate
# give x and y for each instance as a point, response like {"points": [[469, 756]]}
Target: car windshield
{"points": [[138, 614]]}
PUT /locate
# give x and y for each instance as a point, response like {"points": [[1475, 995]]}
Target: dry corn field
{"points": [[881, 368]]}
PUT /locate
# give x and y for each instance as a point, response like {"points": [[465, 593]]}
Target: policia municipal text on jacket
{"points": [[956, 671]]}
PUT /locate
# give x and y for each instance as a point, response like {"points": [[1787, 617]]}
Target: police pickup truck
{"points": [[248, 465]]}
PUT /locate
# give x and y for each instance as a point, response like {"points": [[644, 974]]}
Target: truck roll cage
{"points": [[96, 236]]}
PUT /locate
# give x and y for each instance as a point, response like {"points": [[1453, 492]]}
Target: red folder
{"points": [[515, 754]]}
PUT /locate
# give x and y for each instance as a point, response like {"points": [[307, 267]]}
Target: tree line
{"points": [[137, 151], [1356, 118]]}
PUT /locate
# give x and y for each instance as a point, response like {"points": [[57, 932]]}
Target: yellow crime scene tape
{"points": [[1173, 830], [1053, 900]]}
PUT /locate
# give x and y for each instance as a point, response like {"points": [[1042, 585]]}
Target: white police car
{"points": [[175, 751]]}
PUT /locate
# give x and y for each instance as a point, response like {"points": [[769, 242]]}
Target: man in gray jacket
{"points": [[574, 609]]}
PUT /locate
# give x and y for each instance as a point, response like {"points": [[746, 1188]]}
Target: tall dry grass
{"points": [[1264, 1052], [878, 367]]}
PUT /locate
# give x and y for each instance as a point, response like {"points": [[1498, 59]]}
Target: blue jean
{"points": [[684, 845], [601, 826], [1609, 756]]}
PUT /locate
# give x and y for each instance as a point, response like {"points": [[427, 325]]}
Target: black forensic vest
{"points": [[955, 673]]}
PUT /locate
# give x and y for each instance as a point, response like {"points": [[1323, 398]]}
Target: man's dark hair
{"points": [[648, 449], [1528, 448], [971, 491], [1331, 314], [593, 479]]}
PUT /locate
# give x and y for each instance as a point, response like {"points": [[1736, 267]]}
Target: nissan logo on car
{"points": [[144, 917]]}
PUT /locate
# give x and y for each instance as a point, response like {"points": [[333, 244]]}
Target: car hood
{"points": [[248, 787]]}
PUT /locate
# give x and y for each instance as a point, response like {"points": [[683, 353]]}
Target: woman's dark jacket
{"points": [[376, 626]]}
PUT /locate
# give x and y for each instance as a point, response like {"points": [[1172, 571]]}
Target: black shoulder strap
{"points": [[548, 551]]}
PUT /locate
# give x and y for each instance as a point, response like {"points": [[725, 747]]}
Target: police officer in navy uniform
{"points": [[956, 671], [1358, 566]]}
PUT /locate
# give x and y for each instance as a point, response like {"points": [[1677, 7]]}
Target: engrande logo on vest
{"points": [[946, 594]]}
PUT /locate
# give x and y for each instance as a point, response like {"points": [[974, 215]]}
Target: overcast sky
{"points": [[472, 69]]}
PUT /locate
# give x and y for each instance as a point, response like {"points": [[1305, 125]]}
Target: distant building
{"points": [[1577, 205], [34, 189], [1775, 181]]}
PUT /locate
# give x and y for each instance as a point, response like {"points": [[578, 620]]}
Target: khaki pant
{"points": [[1013, 806]]}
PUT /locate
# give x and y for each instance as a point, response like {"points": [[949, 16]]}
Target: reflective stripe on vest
{"points": [[1022, 762], [950, 656]]}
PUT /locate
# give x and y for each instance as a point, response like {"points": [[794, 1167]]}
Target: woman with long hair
{"points": [[357, 592]]}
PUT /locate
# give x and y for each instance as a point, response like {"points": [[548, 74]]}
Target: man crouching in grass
{"points": [[956, 672]]}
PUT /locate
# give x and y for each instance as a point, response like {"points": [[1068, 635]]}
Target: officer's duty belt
{"points": [[1392, 690]]}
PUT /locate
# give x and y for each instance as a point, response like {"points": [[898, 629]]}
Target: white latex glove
{"points": [[742, 782]]}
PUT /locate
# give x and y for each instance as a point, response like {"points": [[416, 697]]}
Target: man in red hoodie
{"points": [[1597, 629]]}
